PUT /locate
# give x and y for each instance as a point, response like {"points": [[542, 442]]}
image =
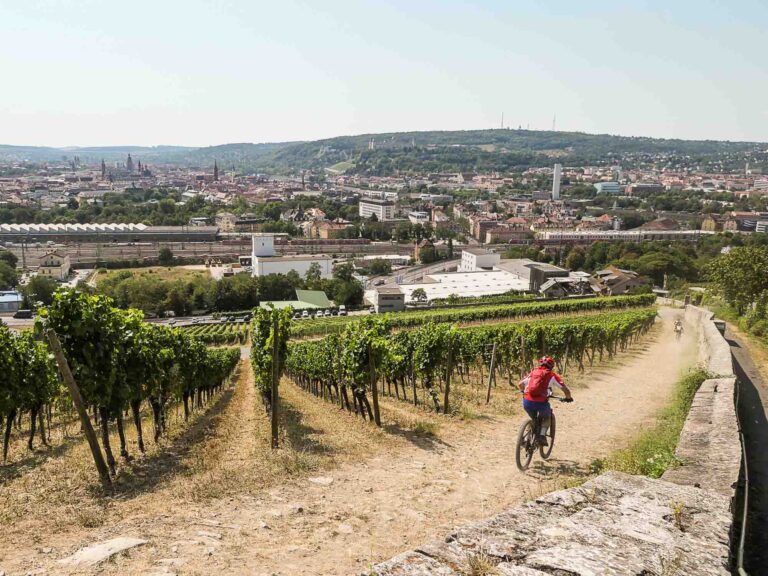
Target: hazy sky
{"points": [[203, 72]]}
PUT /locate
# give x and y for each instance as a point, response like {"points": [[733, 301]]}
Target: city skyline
{"points": [[193, 75]]}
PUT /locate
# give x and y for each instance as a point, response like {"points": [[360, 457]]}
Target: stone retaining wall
{"points": [[714, 351], [617, 523], [614, 524], [709, 447]]}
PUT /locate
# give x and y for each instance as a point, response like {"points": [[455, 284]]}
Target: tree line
{"points": [[154, 296]]}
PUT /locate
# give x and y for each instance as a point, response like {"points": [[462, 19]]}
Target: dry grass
{"points": [[221, 452], [160, 272], [224, 452], [481, 564]]}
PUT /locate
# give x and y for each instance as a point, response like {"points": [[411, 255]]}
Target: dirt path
{"points": [[354, 515]]}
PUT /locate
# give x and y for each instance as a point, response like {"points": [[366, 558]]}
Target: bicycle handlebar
{"points": [[558, 398]]}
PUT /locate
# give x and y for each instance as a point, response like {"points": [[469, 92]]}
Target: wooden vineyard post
{"points": [[374, 390], [77, 400], [522, 357], [340, 388], [449, 369], [275, 378], [565, 356], [490, 374]]}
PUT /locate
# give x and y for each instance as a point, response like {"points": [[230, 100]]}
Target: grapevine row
{"points": [[368, 354], [219, 333], [336, 325], [117, 360]]}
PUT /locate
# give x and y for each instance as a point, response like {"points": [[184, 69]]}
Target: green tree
{"points": [[740, 277], [165, 256], [343, 271], [8, 276], [348, 293], [575, 259], [9, 258], [40, 289], [380, 266], [313, 275], [420, 295], [428, 254]]}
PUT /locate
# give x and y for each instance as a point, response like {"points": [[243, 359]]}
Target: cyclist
{"points": [[537, 387]]}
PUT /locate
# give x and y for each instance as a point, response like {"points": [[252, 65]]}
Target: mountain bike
{"points": [[528, 439]]}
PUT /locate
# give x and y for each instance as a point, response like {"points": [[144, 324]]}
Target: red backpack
{"points": [[538, 384]]}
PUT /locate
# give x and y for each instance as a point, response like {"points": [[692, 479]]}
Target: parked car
{"points": [[23, 314], [305, 314]]}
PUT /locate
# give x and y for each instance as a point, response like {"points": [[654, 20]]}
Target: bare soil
{"points": [[341, 495]]}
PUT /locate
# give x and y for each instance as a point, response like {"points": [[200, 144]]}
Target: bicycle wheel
{"points": [[525, 446], [545, 451]]}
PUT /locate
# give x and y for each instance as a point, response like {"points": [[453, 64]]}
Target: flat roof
{"points": [[295, 257], [477, 251], [388, 290], [484, 283], [546, 267]]}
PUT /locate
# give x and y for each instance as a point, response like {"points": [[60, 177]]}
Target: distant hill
{"points": [[415, 152]]}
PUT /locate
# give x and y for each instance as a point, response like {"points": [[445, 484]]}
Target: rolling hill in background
{"points": [[412, 152]]}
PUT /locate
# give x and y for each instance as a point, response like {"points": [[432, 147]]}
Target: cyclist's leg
{"points": [[543, 411], [546, 418], [530, 408]]}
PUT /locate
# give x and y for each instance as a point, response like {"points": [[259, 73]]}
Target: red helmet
{"points": [[547, 361]]}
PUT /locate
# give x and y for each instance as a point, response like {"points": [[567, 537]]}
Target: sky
{"points": [[207, 72]]}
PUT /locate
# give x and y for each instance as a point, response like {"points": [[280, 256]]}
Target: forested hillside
{"points": [[419, 152]]}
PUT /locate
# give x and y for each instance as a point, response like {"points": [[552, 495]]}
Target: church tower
{"points": [[129, 164], [215, 171], [103, 169]]}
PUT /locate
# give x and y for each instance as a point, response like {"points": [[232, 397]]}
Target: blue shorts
{"points": [[534, 408]]}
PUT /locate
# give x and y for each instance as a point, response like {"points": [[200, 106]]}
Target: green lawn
{"points": [[341, 167]]}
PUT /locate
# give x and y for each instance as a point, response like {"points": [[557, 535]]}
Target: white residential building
{"points": [[55, 265], [383, 209], [474, 259], [265, 261]]}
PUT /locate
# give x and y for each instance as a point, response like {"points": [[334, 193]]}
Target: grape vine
{"points": [[431, 354]]}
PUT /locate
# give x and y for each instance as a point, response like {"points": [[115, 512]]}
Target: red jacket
{"points": [[541, 390]]}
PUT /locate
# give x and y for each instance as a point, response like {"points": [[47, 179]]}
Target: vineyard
{"points": [[117, 362], [337, 325], [369, 358], [218, 334]]}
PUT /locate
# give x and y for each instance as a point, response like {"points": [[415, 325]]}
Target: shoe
{"points": [[542, 440]]}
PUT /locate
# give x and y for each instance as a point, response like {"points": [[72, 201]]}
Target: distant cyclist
{"points": [[537, 387], [678, 328]]}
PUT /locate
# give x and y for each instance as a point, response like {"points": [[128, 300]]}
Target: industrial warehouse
{"points": [[30, 233]]}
